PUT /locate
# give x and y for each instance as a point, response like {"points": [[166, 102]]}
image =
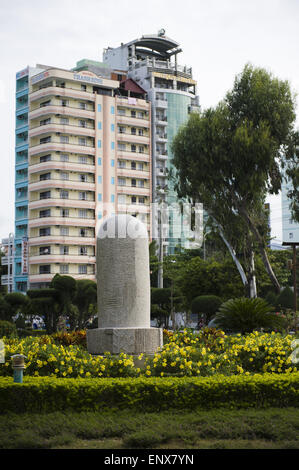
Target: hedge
{"points": [[46, 394]]}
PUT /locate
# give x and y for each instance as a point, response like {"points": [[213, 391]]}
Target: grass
{"points": [[217, 429]]}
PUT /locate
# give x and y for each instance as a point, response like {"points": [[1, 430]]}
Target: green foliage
{"points": [[285, 299], [245, 315], [200, 277], [46, 394], [7, 329], [206, 304], [249, 127]]}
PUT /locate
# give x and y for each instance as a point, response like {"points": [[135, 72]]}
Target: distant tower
{"points": [[152, 61]]}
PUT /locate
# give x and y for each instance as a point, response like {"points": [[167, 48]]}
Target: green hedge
{"points": [[45, 394]]}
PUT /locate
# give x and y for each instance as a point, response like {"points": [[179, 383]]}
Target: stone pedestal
{"points": [[127, 340], [123, 282]]}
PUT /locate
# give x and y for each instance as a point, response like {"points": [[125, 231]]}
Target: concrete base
{"points": [[127, 340]]}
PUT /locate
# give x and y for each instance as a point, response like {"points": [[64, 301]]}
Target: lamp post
{"points": [[18, 365]]}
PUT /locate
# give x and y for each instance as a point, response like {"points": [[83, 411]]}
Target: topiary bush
{"points": [[207, 305], [7, 329], [285, 299], [245, 315]]}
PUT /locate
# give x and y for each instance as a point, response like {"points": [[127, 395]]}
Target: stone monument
{"points": [[123, 283]]}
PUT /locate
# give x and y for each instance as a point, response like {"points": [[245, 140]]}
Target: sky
{"points": [[218, 37]]}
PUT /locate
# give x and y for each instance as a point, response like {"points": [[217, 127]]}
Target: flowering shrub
{"points": [[207, 353], [44, 357]]}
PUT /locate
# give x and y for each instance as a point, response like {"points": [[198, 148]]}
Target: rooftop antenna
{"points": [[161, 32]]}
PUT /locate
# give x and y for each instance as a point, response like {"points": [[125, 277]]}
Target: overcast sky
{"points": [[218, 38]]}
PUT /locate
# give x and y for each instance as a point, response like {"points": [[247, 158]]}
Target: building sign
{"points": [[87, 78], [22, 73], [24, 255], [39, 77], [167, 76]]}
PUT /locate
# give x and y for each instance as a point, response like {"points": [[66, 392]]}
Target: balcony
{"points": [[56, 145], [161, 104], [6, 279], [61, 91], [63, 110], [88, 131]]}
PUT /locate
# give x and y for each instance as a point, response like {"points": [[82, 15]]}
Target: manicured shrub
{"points": [[46, 394], [285, 299], [245, 315], [207, 305], [7, 329]]}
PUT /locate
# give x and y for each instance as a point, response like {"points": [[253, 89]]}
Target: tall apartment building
{"points": [[152, 62], [290, 229], [8, 249], [86, 153]]}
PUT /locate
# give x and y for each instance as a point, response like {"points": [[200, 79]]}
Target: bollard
{"points": [[18, 365]]}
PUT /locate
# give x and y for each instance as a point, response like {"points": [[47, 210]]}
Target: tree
{"points": [[44, 303], [85, 300], [160, 305], [228, 157], [65, 288]]}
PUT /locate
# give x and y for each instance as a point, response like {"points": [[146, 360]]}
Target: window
{"points": [[45, 140], [83, 87], [290, 221], [64, 194], [44, 122], [140, 166], [64, 139], [64, 231], [45, 176], [83, 250], [44, 250], [140, 131], [45, 213], [64, 157], [133, 130], [82, 196], [82, 123], [121, 182], [45, 195], [121, 164], [64, 269], [121, 112], [133, 182], [133, 165], [45, 103], [64, 250], [82, 141], [82, 232], [121, 199], [133, 148], [64, 212], [64, 175], [64, 120], [141, 200], [133, 200], [141, 149], [121, 146], [140, 183], [82, 105], [83, 269], [141, 114], [83, 213], [133, 113], [45, 269], [121, 129], [112, 109], [45, 158], [64, 102], [82, 159], [83, 178], [291, 235], [44, 232]]}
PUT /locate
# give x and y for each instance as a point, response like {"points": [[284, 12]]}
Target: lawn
{"points": [[216, 429]]}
